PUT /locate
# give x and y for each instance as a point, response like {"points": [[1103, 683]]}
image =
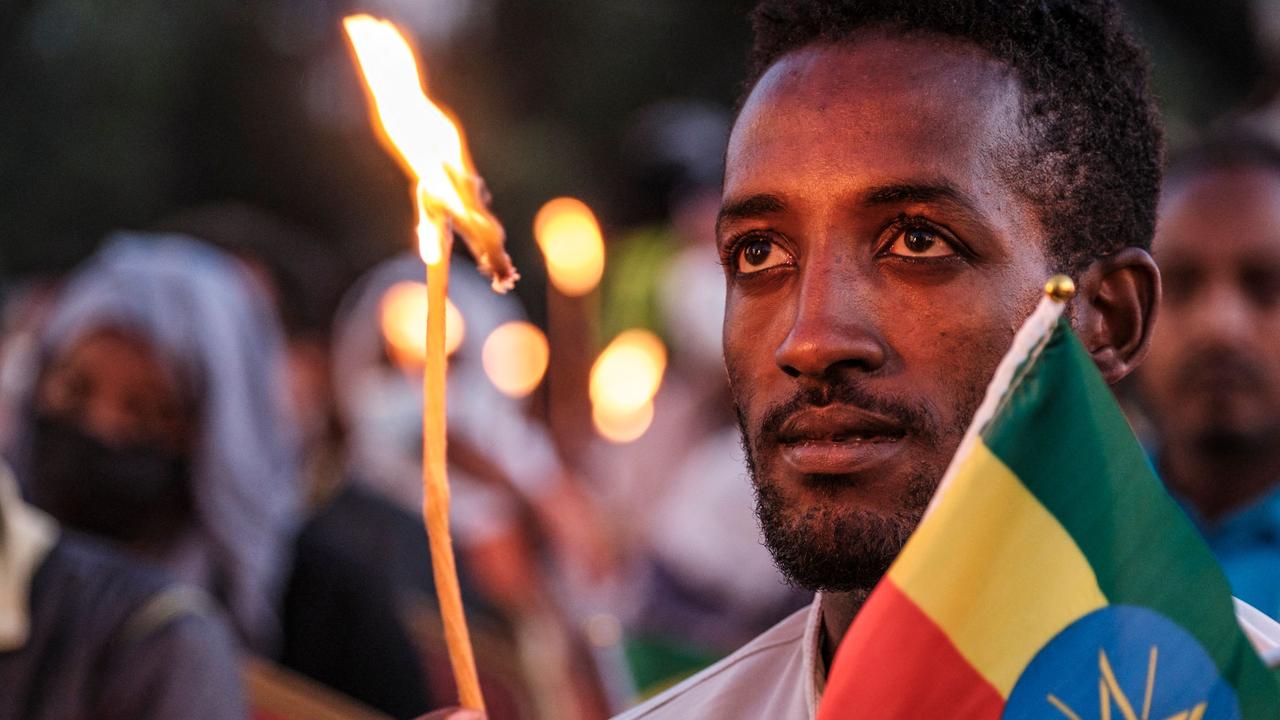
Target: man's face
{"points": [[1213, 375], [878, 267], [113, 386]]}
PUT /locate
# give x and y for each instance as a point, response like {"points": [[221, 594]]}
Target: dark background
{"points": [[118, 113]]}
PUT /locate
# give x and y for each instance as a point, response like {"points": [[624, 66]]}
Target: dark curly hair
{"points": [[1092, 152]]}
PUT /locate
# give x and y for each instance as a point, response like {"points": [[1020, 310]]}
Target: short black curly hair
{"points": [[1092, 157]]}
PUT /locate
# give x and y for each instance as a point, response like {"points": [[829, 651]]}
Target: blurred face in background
{"points": [[878, 267], [113, 386], [111, 439], [1212, 378]]}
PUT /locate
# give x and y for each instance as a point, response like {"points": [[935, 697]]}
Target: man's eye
{"points": [[920, 243], [759, 254]]}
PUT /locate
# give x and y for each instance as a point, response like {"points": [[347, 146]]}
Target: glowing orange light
{"points": [[571, 242], [624, 381], [629, 371], [515, 357], [625, 427], [432, 148], [448, 196], [403, 318]]}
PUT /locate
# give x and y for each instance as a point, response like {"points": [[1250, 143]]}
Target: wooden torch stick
{"points": [[435, 481]]}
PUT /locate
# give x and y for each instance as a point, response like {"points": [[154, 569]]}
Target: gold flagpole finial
{"points": [[1060, 288]]}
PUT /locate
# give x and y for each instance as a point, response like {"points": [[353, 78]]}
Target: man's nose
{"points": [[1223, 314], [108, 422], [833, 329]]}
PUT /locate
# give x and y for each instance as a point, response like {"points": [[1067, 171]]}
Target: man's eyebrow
{"points": [[935, 192], [928, 192], [749, 207]]}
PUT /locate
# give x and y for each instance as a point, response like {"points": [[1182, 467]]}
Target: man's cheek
{"points": [[953, 365]]}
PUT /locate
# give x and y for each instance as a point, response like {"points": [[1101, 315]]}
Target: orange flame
{"points": [[431, 147]]}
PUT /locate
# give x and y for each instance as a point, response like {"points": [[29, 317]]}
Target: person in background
{"points": [[87, 633], [157, 419], [525, 531], [159, 376], [1211, 385]]}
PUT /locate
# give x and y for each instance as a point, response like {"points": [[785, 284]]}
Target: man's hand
{"points": [[455, 714]]}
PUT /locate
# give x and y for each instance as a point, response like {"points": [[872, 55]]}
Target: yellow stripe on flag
{"points": [[1000, 586]]}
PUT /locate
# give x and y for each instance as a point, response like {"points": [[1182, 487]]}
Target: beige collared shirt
{"points": [[780, 674]]}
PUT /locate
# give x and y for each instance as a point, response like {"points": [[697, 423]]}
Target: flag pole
{"points": [[1029, 340]]}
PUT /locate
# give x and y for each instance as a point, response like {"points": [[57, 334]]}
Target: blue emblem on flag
{"points": [[1124, 663]]}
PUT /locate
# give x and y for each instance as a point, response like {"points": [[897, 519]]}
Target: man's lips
{"points": [[838, 439]]}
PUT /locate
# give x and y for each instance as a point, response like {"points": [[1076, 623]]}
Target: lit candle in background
{"points": [[572, 245], [403, 315], [570, 239], [515, 357], [448, 196], [624, 381]]}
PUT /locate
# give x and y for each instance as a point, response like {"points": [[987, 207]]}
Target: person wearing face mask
{"points": [[157, 421], [154, 422]]}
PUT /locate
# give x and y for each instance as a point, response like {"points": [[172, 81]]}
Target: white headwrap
{"points": [[204, 314]]}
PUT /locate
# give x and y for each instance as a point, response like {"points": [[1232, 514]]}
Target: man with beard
{"points": [[902, 178], [1212, 384]]}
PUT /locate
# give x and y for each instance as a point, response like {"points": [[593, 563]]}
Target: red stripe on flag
{"points": [[896, 663]]}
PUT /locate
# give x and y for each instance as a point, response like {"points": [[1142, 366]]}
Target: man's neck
{"points": [[1219, 481], [838, 611]]}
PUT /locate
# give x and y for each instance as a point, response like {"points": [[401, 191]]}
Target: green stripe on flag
{"points": [[1061, 432]]}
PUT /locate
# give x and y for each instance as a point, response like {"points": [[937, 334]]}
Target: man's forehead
{"points": [[926, 99], [892, 61], [1220, 210]]}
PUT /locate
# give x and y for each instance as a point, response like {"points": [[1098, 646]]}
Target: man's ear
{"points": [[1115, 310]]}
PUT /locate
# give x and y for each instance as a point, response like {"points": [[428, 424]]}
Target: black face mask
{"points": [[130, 494]]}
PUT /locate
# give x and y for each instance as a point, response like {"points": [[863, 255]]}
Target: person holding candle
{"points": [[900, 180]]}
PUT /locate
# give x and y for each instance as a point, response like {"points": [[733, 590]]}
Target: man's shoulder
{"points": [[759, 673]]}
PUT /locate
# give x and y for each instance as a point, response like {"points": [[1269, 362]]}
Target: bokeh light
{"points": [[622, 427], [624, 381], [404, 324], [515, 357], [572, 244]]}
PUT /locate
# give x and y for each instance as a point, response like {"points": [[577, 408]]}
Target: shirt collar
{"points": [[26, 537], [815, 671]]}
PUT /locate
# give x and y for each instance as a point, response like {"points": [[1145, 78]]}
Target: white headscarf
{"points": [[203, 313]]}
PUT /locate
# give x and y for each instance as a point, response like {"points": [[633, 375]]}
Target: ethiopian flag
{"points": [[1052, 576]]}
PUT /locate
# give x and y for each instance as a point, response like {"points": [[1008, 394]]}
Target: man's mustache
{"points": [[915, 418]]}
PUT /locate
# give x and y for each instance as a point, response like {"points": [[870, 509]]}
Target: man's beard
{"points": [[824, 547]]}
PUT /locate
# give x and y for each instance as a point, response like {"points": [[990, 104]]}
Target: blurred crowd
{"points": [[215, 450], [211, 427]]}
